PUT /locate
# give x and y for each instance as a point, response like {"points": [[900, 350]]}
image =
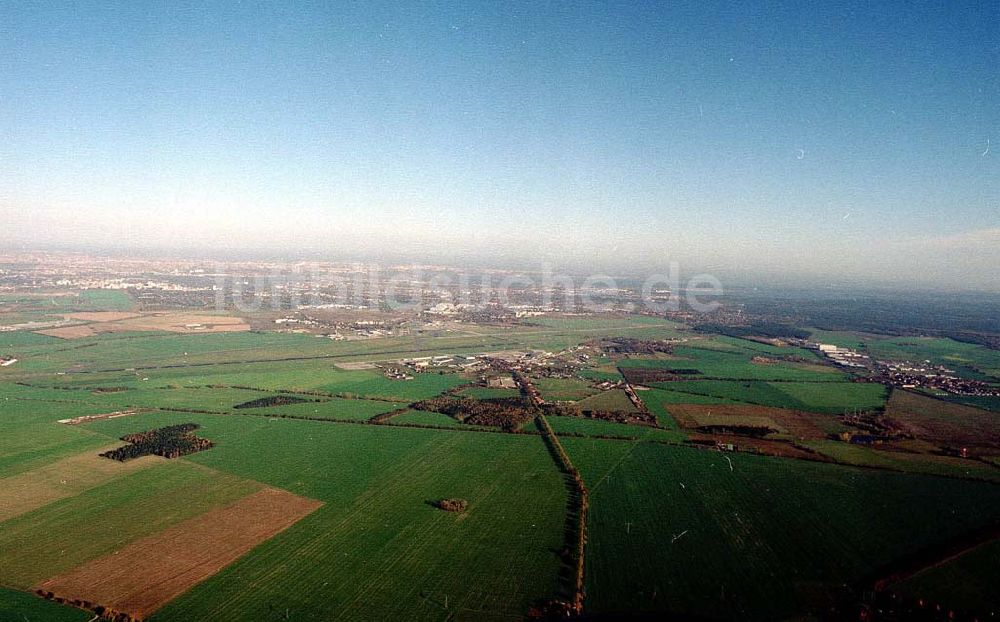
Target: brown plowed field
{"points": [[800, 424], [944, 423], [762, 446], [150, 572]]}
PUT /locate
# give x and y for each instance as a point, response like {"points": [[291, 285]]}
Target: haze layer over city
{"points": [[850, 140]]}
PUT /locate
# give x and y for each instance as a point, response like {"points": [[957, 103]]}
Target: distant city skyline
{"points": [[854, 141]]}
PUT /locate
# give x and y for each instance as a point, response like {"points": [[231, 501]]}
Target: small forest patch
{"points": [[452, 505], [170, 442], [273, 400], [646, 375], [505, 413]]}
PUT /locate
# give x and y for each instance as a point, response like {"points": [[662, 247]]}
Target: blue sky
{"points": [[856, 139]]}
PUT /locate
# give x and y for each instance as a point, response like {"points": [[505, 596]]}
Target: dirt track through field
{"points": [[150, 572]]}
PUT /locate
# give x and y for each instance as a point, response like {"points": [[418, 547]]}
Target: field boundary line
{"points": [[581, 497]]}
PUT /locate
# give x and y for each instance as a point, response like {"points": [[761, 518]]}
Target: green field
{"points": [[658, 402], [844, 339], [421, 387], [18, 606], [674, 529], [200, 398], [424, 417], [984, 402], [590, 324], [106, 300], [564, 389], [601, 375], [716, 364], [665, 394], [335, 408], [31, 436], [85, 300], [487, 393], [223, 400], [821, 397], [612, 400], [12, 342], [598, 427]]}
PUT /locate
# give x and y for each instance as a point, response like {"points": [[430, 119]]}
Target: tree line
{"points": [[273, 400]]}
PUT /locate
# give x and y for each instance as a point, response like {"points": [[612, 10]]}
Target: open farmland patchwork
{"points": [[62, 535], [32, 436], [499, 311], [378, 548], [291, 414], [146, 574]]}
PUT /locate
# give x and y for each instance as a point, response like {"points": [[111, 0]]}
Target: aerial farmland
{"points": [[153, 474], [507, 311]]}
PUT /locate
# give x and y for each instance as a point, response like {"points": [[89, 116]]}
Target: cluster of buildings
{"points": [[396, 373], [126, 283], [338, 330], [906, 374], [496, 367], [844, 357], [911, 376], [461, 362], [485, 313]]}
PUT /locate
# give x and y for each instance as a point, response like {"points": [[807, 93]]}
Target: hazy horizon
{"points": [[853, 142]]}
